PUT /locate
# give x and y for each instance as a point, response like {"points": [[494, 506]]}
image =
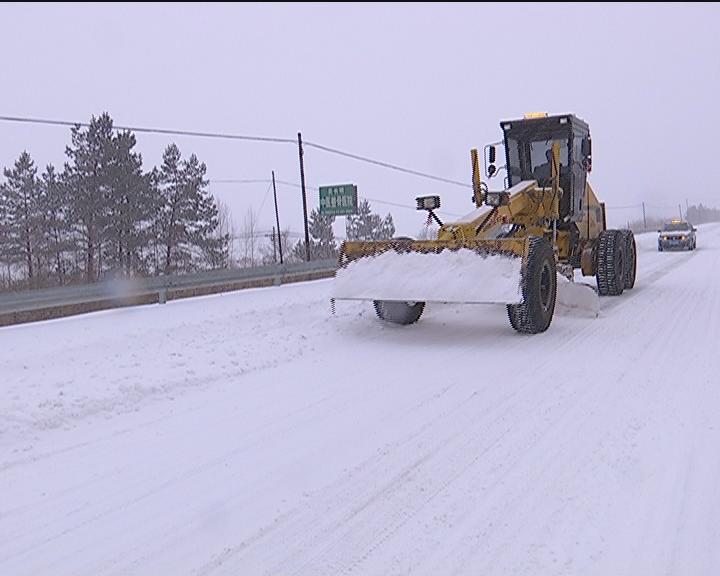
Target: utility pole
{"points": [[277, 218], [304, 197], [680, 210], [687, 208], [644, 219]]}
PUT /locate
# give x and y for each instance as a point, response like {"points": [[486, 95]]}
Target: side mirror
{"points": [[489, 157], [491, 169], [694, 229], [659, 231]]}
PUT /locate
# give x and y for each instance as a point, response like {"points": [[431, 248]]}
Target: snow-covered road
{"points": [[253, 433]]}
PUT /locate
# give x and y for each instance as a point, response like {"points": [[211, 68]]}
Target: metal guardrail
{"points": [[46, 303]]}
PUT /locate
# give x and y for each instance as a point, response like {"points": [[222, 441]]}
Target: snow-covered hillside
{"points": [[255, 433]]}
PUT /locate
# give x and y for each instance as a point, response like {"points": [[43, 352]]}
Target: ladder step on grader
{"points": [[511, 247]]}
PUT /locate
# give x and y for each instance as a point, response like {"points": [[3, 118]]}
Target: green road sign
{"points": [[338, 200]]}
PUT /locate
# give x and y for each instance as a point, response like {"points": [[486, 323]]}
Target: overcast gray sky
{"points": [[416, 85]]}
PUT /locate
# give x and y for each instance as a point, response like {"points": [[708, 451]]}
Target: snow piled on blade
{"points": [[576, 298], [450, 276]]}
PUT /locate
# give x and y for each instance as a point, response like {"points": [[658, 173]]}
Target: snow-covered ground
{"points": [[255, 433]]}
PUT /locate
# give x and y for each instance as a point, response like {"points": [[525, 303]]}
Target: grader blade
{"points": [[475, 271]]}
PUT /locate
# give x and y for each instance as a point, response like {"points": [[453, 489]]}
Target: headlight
{"points": [[428, 202], [497, 198]]}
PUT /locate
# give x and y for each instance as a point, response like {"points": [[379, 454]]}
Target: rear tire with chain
{"points": [[539, 290], [630, 259], [611, 263]]}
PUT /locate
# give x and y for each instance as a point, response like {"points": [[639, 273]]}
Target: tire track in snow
{"points": [[474, 415], [336, 566]]}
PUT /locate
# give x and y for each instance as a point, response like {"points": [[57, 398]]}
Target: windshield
{"points": [[530, 160], [540, 156], [676, 227]]}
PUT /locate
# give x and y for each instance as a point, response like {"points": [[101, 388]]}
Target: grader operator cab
{"points": [[528, 148], [510, 248]]}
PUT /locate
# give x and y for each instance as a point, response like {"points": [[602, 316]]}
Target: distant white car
{"points": [[677, 234]]}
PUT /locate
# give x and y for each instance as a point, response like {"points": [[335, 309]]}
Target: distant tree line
{"points": [[255, 247], [695, 215], [102, 214], [365, 225], [701, 214]]}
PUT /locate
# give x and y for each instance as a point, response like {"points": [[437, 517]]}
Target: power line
{"points": [[262, 205], [258, 181], [151, 130], [67, 123], [315, 188], [240, 180], [386, 165], [225, 136]]}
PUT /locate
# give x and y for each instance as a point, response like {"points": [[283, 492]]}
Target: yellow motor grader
{"points": [[511, 247]]}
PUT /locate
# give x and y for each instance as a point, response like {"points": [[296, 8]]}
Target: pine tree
{"points": [[55, 226], [322, 239], [4, 228], [365, 225], [131, 206], [21, 199], [322, 243], [169, 189], [187, 216], [298, 253], [205, 221], [90, 176]]}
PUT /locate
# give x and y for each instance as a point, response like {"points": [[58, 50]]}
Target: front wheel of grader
{"points": [[539, 290], [399, 312], [396, 311]]}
